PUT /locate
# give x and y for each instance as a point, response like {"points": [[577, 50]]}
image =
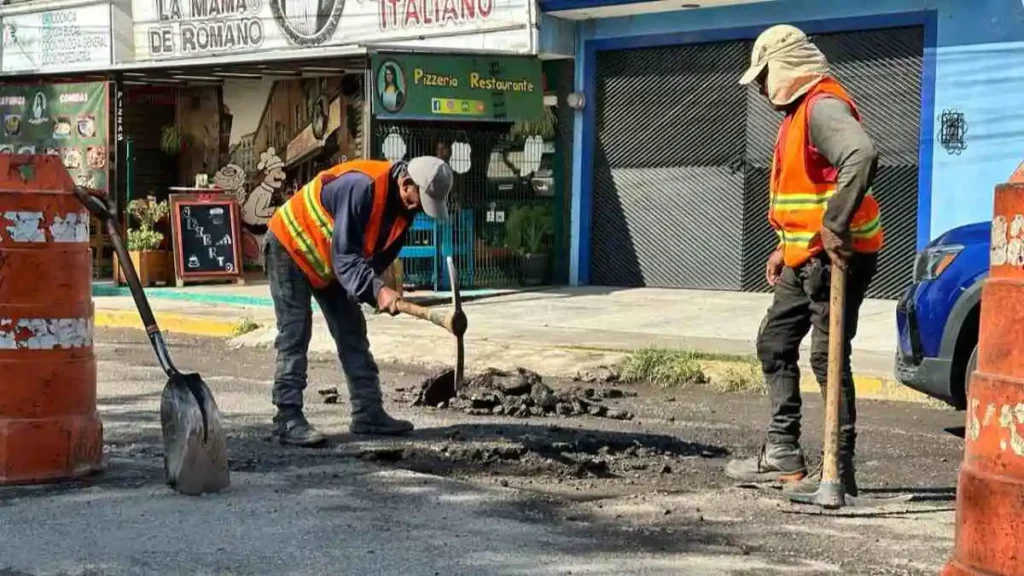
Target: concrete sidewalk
{"points": [[559, 332]]}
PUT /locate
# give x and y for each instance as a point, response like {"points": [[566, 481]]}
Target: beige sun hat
{"points": [[794, 63]]}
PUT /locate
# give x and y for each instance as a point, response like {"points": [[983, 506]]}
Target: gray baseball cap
{"points": [[434, 177]]}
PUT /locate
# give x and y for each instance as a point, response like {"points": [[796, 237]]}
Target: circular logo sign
{"points": [[308, 22]]}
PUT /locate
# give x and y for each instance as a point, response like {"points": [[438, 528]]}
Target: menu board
{"points": [[205, 229], [65, 120]]}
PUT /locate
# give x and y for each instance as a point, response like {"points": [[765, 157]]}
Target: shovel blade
{"points": [[830, 501], [195, 448], [873, 501]]}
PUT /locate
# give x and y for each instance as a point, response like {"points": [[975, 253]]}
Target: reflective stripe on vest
{"points": [[802, 183], [306, 229]]}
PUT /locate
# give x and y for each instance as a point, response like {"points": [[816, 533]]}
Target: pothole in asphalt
{"points": [[508, 436]]}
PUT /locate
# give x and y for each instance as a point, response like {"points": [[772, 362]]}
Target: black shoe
{"points": [[810, 484], [774, 463], [293, 429], [377, 422]]}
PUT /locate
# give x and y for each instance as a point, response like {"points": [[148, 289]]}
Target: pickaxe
{"points": [[831, 493], [454, 321]]}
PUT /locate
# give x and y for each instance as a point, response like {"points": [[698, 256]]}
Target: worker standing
{"points": [[331, 242], [823, 211]]}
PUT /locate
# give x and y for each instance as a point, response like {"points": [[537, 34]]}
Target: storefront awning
{"points": [[285, 64], [213, 73]]}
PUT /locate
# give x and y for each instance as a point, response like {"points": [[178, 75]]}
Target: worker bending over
{"points": [[331, 242]]}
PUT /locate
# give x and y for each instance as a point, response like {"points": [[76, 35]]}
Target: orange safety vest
{"points": [[305, 228], [802, 182]]}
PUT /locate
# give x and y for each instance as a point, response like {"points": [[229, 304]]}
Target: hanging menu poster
{"points": [[205, 230], [65, 120]]}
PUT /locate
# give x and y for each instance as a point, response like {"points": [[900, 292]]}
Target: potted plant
{"points": [[545, 126], [529, 230], [172, 140], [151, 263]]}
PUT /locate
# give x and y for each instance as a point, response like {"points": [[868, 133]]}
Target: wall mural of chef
{"points": [[281, 134]]}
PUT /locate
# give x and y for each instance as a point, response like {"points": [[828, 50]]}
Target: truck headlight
{"points": [[933, 261]]}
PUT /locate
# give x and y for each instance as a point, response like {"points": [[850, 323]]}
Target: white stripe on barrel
{"points": [[45, 333], [28, 226]]}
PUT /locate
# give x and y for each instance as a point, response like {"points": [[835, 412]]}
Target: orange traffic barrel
{"points": [[49, 426], [990, 493]]}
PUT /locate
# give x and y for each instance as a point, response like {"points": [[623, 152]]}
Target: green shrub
{"points": [[529, 228]]}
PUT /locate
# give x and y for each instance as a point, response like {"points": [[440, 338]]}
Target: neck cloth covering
{"points": [[793, 62]]}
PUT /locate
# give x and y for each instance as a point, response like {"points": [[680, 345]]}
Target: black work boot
{"points": [[291, 427], [774, 463], [375, 421], [809, 485]]}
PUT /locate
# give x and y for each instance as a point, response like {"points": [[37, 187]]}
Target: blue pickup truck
{"points": [[937, 317]]}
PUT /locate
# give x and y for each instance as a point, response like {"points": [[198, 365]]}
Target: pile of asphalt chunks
{"points": [[520, 393]]}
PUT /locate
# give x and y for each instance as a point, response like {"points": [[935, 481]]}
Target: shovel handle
{"points": [[834, 382], [99, 209], [446, 321]]}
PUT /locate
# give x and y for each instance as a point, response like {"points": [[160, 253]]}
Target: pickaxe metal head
{"points": [[459, 323]]}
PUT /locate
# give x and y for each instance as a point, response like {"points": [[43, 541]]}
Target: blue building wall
{"points": [[557, 37], [973, 63]]}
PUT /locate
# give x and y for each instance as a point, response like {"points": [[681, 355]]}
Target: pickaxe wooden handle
{"points": [[830, 481], [454, 321], [831, 493]]}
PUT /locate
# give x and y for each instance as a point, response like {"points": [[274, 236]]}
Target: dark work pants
{"points": [[293, 294], [801, 304]]}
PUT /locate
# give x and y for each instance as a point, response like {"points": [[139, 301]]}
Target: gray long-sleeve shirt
{"points": [[841, 139], [350, 199]]}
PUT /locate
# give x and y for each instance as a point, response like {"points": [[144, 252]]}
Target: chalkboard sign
{"points": [[205, 231]]}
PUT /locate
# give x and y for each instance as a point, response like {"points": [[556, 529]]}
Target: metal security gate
{"points": [[668, 187], [492, 182], [681, 191]]}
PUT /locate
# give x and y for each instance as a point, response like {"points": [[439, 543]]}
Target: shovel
{"points": [[831, 493], [195, 449]]}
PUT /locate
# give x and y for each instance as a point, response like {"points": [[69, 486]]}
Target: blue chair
{"points": [[419, 255]]}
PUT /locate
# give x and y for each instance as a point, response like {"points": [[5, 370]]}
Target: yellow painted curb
{"points": [[179, 323], [868, 387], [872, 388]]}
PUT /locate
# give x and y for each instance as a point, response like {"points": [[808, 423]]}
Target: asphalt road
{"points": [[471, 494]]}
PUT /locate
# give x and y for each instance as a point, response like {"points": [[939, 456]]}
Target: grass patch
{"points": [[742, 376], [671, 368], [244, 326], [664, 368]]}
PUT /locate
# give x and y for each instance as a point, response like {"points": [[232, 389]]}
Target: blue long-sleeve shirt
{"points": [[350, 199]]}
